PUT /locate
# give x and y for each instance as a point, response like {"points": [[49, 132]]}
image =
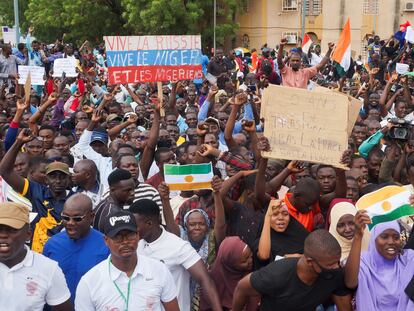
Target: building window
{"points": [[291, 37], [313, 7], [290, 5], [370, 7]]}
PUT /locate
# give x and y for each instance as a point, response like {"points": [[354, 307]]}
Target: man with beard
{"points": [[294, 75]]}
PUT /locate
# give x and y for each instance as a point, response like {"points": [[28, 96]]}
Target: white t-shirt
{"points": [[178, 255], [32, 283], [151, 284]]}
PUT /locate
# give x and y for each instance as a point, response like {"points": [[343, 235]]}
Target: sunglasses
{"points": [[75, 218]]}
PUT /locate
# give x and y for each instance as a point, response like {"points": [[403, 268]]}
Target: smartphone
{"points": [[252, 88]]}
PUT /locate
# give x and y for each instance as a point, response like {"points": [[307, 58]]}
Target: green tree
{"points": [[92, 19], [182, 17], [7, 13], [79, 19]]}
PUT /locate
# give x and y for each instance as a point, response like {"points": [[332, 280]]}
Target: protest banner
{"points": [[65, 65], [36, 74], [305, 126], [134, 59]]}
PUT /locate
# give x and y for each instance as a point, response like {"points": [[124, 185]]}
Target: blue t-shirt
{"points": [[76, 258]]}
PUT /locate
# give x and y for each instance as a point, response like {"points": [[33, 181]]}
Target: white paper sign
{"points": [[66, 65], [37, 73], [402, 68]]}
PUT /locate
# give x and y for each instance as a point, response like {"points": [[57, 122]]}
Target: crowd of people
{"points": [[87, 221]]}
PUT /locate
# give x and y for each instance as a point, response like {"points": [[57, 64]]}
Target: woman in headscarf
{"points": [[342, 227], [381, 274], [233, 262], [197, 230], [281, 235]]}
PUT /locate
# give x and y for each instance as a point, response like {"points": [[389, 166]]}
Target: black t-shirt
{"points": [[282, 290]]}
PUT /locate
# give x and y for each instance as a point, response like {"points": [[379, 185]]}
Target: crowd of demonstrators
{"points": [[83, 184]]}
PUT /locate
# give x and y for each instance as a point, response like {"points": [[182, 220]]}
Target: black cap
{"points": [[118, 221]]}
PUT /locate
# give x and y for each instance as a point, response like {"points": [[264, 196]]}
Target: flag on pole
{"points": [[306, 43], [400, 35], [188, 177], [386, 204], [342, 54]]}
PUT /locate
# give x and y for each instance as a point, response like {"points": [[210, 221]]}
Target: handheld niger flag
{"points": [[386, 204], [188, 177], [342, 54]]}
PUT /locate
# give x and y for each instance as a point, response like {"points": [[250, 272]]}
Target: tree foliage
{"points": [[92, 19]]}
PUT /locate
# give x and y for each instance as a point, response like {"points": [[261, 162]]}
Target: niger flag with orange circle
{"points": [[386, 204]]}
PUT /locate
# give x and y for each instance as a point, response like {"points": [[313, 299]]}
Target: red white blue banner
{"points": [[132, 59]]}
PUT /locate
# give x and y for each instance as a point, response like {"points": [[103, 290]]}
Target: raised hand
{"points": [[296, 166], [361, 220], [240, 99], [96, 116], [216, 184], [164, 191], [132, 119], [25, 136], [263, 144], [249, 126], [202, 129]]}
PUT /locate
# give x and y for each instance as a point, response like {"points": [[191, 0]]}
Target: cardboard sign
{"points": [[134, 59], [36, 74], [354, 106], [305, 126], [65, 65]]}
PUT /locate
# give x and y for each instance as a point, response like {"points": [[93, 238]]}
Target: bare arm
{"points": [[263, 252], [280, 62], [7, 163], [40, 112], [243, 291], [325, 60], [171, 305], [343, 303], [228, 131], [149, 150], [199, 272], [166, 209], [66, 306], [220, 222], [384, 96], [351, 269], [114, 132]]}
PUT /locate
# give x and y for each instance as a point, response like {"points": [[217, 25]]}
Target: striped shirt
{"points": [[144, 191]]}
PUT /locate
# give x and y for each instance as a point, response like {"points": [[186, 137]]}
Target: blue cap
{"points": [[99, 136]]}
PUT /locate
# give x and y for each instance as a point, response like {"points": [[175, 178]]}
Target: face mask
{"points": [[329, 274]]}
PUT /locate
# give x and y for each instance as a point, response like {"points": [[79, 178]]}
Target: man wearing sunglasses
{"points": [[126, 281], [79, 247]]}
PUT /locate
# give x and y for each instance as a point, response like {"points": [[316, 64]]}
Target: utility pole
{"points": [[16, 21], [214, 27], [303, 18]]}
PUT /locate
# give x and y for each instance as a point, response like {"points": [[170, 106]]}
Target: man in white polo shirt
{"points": [[28, 280], [178, 255], [125, 281]]}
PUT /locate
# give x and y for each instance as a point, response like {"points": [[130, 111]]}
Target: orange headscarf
{"points": [[308, 219]]}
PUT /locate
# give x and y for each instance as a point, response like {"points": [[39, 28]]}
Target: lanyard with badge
{"points": [[125, 299]]}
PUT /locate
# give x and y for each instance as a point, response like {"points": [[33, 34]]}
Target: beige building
{"points": [[266, 21]]}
